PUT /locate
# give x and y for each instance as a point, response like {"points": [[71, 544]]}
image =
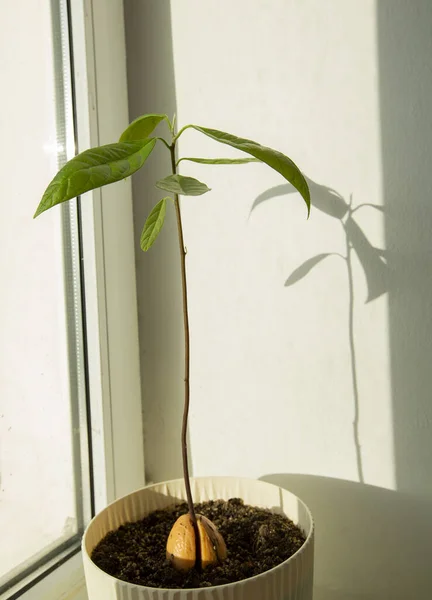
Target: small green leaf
{"points": [[95, 168], [153, 225], [186, 186], [173, 124], [274, 159], [142, 127], [220, 161]]}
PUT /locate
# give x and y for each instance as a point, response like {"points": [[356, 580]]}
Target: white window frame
{"points": [[109, 256], [108, 250]]}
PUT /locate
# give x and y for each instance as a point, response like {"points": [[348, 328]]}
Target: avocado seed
{"points": [[181, 549]]}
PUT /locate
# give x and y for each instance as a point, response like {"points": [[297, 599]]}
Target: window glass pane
{"points": [[43, 452]]}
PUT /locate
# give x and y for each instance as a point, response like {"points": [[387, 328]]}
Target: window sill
{"points": [[65, 582]]}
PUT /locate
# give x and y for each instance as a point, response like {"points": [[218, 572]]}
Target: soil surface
{"points": [[256, 539]]}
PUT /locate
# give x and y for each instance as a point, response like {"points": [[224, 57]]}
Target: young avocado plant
{"points": [[194, 540]]}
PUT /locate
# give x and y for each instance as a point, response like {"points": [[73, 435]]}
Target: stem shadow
{"points": [[372, 260]]}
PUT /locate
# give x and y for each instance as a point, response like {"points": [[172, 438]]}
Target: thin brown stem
{"points": [[186, 363]]}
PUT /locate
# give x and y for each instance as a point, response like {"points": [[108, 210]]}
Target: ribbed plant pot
{"points": [[291, 580]]}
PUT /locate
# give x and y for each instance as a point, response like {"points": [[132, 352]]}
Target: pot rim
{"points": [[202, 480]]}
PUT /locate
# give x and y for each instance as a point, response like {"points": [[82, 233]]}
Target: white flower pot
{"points": [[291, 580]]}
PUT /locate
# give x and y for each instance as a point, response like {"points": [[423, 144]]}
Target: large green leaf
{"points": [[220, 161], [274, 159], [142, 127], [93, 169], [153, 225], [186, 186]]}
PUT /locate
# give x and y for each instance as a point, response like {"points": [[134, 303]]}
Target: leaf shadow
{"points": [[307, 266], [330, 202]]}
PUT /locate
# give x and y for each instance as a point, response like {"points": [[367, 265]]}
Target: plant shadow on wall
{"points": [[371, 259], [368, 545]]}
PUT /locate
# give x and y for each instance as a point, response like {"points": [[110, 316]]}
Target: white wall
{"points": [[306, 385]]}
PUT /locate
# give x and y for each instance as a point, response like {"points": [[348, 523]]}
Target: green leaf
{"points": [[220, 161], [186, 186], [93, 169], [153, 225], [142, 127], [172, 123], [274, 159]]}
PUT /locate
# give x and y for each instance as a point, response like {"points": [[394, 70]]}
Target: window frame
{"points": [[109, 256], [97, 38]]}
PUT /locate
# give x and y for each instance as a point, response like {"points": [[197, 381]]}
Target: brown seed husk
{"points": [[256, 540]]}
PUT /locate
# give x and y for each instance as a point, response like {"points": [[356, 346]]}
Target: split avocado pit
{"points": [[185, 552]]}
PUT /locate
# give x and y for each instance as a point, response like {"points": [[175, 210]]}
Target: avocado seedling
{"points": [[194, 540]]}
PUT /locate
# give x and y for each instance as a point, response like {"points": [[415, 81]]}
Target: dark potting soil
{"points": [[256, 540]]}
